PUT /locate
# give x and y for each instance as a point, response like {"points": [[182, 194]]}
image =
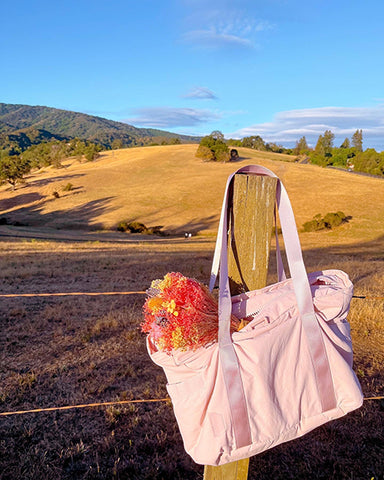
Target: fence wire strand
{"points": [[105, 404], [118, 402], [142, 292]]}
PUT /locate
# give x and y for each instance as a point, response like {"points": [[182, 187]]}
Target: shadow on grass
{"points": [[46, 181], [195, 225], [19, 200], [80, 217]]}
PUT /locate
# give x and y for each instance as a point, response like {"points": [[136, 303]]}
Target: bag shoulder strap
{"points": [[303, 297]]}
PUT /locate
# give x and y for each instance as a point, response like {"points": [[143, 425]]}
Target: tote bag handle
{"points": [[230, 366]]}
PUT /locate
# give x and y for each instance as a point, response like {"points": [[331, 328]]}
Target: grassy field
{"points": [[75, 350], [168, 186], [57, 351]]}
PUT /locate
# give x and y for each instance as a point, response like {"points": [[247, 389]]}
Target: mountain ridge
{"points": [[14, 118]]}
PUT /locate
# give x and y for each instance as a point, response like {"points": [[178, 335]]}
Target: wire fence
{"points": [[117, 402], [94, 294]]}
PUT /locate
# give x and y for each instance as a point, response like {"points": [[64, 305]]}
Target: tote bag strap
{"points": [[281, 276], [279, 261], [230, 367]]}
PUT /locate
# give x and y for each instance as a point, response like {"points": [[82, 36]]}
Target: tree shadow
{"points": [[21, 199], [80, 217], [195, 225], [46, 181]]}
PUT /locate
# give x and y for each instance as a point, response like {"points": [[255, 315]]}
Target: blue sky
{"points": [[276, 68]]}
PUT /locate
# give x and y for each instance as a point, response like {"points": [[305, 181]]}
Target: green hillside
{"points": [[24, 119]]}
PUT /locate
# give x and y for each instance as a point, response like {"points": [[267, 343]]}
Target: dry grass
{"points": [[168, 186], [73, 350]]}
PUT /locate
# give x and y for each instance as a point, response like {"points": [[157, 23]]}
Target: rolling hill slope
{"points": [[168, 186], [67, 124]]}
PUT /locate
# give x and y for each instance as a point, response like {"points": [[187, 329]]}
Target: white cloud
{"points": [[200, 93], [287, 127], [213, 39], [224, 28], [168, 117]]}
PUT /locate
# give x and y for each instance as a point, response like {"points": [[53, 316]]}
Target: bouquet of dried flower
{"points": [[181, 313]]}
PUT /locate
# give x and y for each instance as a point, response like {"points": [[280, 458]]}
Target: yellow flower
{"points": [[178, 339], [155, 304], [171, 307], [165, 283]]}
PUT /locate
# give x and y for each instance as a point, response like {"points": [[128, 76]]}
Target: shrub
{"points": [[155, 230], [205, 153], [334, 219], [68, 187], [329, 221], [222, 155], [137, 227], [133, 227], [213, 148]]}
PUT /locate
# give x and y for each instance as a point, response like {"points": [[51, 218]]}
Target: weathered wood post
{"points": [[251, 224]]}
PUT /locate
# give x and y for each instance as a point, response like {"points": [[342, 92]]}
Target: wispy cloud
{"points": [[200, 93], [168, 117], [214, 40], [225, 28], [289, 126]]}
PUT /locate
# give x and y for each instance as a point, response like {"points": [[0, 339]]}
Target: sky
{"points": [[281, 69]]}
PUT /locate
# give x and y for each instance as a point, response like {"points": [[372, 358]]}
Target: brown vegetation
{"points": [[168, 186], [59, 351], [75, 350]]}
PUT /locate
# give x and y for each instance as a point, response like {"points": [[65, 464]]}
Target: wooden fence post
{"points": [[251, 224]]}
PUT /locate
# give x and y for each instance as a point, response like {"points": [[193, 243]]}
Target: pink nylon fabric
{"points": [[287, 372]]}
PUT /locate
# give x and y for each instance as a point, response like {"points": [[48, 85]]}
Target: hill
{"points": [[82, 349], [19, 119], [169, 186]]}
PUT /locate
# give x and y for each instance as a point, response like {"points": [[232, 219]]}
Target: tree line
{"points": [[350, 154], [215, 147], [14, 165]]}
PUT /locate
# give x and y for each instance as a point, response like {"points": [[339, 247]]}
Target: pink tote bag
{"points": [[287, 372]]}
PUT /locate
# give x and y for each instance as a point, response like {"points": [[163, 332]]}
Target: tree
{"points": [[56, 154], [320, 148], [357, 140], [218, 136], [328, 139], [213, 148], [91, 152], [255, 142], [301, 146], [346, 144], [117, 143], [369, 161], [13, 169], [234, 142], [274, 147], [342, 156], [323, 150]]}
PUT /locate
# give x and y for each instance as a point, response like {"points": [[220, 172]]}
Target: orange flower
{"points": [[181, 313]]}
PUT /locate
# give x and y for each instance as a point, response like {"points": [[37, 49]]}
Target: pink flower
{"points": [[180, 313]]}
